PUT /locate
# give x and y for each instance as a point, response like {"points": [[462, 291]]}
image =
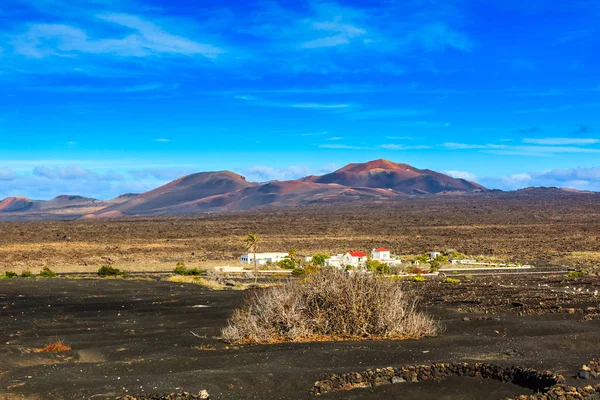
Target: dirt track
{"points": [[135, 337]]}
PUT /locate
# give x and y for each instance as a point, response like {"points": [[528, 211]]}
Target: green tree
{"points": [[293, 255], [287, 263], [319, 259], [252, 246], [377, 267]]}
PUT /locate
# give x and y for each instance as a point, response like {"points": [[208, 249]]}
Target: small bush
{"points": [[451, 280], [47, 272], [181, 269], [418, 278], [26, 274], [298, 272], [329, 305], [54, 347], [575, 274], [10, 274], [287, 263], [107, 270]]}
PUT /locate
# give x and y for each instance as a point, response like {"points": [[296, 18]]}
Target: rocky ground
{"points": [[155, 337]]}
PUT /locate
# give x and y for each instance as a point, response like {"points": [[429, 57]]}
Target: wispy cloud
{"points": [[337, 34], [561, 141], [462, 175], [527, 150], [319, 105], [391, 113], [146, 39], [342, 146], [438, 36], [404, 147], [162, 140]]}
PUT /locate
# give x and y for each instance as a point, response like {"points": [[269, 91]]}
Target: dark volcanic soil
{"points": [[136, 337]]}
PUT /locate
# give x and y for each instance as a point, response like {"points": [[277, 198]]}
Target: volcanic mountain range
{"points": [[226, 191]]}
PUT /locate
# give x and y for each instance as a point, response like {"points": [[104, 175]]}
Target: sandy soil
{"points": [[156, 336]]}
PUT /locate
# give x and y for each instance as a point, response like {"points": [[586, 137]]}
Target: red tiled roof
{"points": [[381, 249], [357, 254]]}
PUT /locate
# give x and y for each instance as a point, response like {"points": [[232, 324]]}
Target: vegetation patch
{"points": [[451, 280], [181, 269], [8, 275], [46, 272], [54, 347], [107, 270], [329, 305], [26, 274]]}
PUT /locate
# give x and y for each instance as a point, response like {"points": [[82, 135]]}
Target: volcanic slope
{"points": [[402, 178]]}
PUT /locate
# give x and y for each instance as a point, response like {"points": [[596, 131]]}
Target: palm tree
{"points": [[252, 245]]}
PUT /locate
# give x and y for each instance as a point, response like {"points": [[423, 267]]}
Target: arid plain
{"points": [[540, 226]]}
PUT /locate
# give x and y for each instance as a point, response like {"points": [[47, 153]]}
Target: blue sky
{"points": [[102, 97]]}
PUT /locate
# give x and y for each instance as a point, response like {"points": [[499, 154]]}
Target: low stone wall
{"points": [[548, 385]]}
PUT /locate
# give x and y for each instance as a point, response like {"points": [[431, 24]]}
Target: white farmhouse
{"points": [[354, 258], [434, 254], [334, 261], [262, 258], [381, 254]]}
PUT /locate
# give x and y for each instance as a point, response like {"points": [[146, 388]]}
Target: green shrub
{"points": [[287, 263], [107, 270], [378, 267], [10, 274], [26, 274], [319, 259], [180, 269], [298, 272], [47, 273], [575, 274], [418, 278], [451, 280]]}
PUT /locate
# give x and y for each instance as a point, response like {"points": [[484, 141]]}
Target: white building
{"points": [[334, 261], [262, 258], [354, 258], [434, 254], [381, 254]]}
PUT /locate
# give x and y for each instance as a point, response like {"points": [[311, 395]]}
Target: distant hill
{"points": [[402, 178], [220, 191]]}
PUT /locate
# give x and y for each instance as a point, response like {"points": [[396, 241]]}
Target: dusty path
{"points": [[135, 336]]}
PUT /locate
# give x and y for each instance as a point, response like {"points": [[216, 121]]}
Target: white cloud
{"points": [[462, 175], [561, 141], [391, 113], [437, 36], [526, 150], [265, 174], [404, 147], [146, 39], [342, 146], [7, 174], [162, 140], [317, 105], [75, 173], [577, 178], [341, 34]]}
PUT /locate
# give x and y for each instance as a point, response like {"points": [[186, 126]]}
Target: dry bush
{"points": [[329, 305], [54, 347]]}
